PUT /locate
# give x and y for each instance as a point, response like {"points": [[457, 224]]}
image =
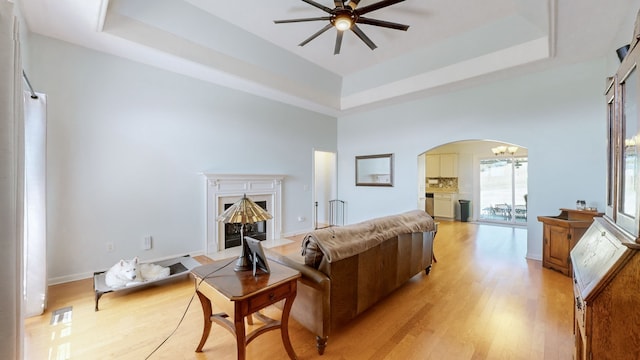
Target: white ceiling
{"points": [[236, 44]]}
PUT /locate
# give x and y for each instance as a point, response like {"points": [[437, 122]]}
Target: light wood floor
{"points": [[482, 300]]}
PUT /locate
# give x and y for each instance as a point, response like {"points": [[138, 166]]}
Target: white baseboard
{"points": [[296, 233], [536, 257]]}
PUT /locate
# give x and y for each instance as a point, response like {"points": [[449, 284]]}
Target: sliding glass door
{"points": [[503, 189]]}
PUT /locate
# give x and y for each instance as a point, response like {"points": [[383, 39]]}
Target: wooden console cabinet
{"points": [[560, 235]]}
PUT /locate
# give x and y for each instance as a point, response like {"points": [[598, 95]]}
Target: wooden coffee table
{"points": [[239, 295]]}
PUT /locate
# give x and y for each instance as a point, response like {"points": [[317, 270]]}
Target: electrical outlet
{"points": [[147, 243], [110, 247]]}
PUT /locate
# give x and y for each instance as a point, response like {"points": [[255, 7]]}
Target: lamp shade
{"points": [[244, 211]]}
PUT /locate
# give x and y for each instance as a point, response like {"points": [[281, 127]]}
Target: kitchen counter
{"points": [[442, 190], [441, 185]]}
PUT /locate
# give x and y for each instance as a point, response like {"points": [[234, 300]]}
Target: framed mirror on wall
{"points": [[374, 170]]}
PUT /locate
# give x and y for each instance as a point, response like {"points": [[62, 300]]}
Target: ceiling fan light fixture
{"points": [[345, 16], [343, 22]]}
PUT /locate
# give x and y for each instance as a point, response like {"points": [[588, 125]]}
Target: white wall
{"points": [[11, 306], [559, 115], [466, 172], [126, 144]]}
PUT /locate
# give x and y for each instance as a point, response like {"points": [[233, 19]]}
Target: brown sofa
{"points": [[346, 270]]}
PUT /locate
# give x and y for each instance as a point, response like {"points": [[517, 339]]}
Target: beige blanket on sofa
{"points": [[342, 242]]}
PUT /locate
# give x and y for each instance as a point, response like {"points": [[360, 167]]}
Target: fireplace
{"points": [[257, 230], [222, 190]]}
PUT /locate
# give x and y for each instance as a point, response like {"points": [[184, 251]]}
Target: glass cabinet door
{"points": [[612, 126], [628, 162]]}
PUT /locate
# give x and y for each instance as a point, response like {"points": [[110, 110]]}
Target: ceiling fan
{"points": [[345, 16]]}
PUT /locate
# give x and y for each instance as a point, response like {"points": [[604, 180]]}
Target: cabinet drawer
{"points": [[269, 297]]}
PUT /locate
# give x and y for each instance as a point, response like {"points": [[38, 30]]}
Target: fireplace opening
{"points": [[257, 230]]}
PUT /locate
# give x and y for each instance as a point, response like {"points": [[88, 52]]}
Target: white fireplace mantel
{"points": [[228, 188]]}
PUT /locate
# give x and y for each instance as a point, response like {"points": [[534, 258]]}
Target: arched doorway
{"points": [[490, 175]]}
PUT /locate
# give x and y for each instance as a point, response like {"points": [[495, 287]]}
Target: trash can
{"points": [[464, 210]]}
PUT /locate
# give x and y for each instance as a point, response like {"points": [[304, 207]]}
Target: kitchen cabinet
{"points": [[560, 234], [433, 166], [449, 165], [443, 205], [442, 165]]}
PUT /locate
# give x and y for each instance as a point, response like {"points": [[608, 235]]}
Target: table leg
{"points": [[284, 325], [206, 311], [241, 343]]}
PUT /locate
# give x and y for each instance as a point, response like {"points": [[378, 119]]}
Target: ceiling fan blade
{"points": [[353, 4], [387, 24], [339, 34], [319, 6], [339, 4], [329, 26], [356, 30], [376, 6], [301, 20]]}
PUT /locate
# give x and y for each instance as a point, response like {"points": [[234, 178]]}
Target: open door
{"points": [[325, 187]]}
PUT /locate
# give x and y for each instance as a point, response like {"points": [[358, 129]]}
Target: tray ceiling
{"points": [[449, 44]]}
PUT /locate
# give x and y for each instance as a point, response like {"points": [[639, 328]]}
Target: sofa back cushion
{"points": [[337, 243]]}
